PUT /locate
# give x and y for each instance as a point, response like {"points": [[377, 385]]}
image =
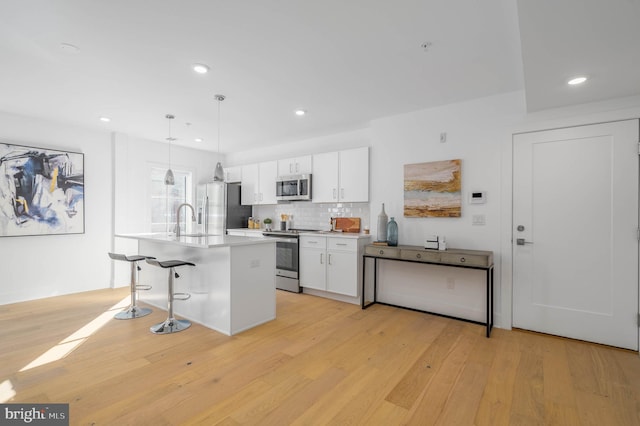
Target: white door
{"points": [[575, 236]]}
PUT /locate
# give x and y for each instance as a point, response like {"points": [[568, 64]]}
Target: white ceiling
{"points": [[345, 62]]}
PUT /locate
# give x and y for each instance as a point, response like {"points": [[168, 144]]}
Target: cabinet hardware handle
{"points": [[329, 258], [418, 256], [462, 259], [341, 244], [334, 193], [342, 193], [290, 167], [381, 251], [313, 242], [321, 262]]}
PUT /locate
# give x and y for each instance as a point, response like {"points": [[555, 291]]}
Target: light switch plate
{"points": [[478, 219]]}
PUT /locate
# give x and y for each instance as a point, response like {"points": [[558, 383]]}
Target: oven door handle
{"points": [[287, 240]]}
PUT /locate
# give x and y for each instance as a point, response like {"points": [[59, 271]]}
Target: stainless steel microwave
{"points": [[294, 187]]}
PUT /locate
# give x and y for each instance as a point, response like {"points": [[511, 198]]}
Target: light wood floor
{"points": [[320, 362]]}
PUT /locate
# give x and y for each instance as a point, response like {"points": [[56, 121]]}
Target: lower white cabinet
{"points": [[330, 264]]}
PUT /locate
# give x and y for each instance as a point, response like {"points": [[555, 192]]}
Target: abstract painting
{"points": [[432, 189], [41, 191]]}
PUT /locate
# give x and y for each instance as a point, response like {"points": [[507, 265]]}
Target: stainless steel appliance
{"points": [[219, 208], [294, 187], [287, 260]]}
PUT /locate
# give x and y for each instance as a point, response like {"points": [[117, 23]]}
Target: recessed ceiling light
{"points": [[198, 139], [201, 68], [300, 112], [69, 48], [105, 119], [577, 80]]}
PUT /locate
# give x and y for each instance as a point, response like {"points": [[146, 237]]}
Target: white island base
{"points": [[232, 286]]}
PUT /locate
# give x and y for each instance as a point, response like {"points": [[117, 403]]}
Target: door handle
{"points": [[521, 242]]}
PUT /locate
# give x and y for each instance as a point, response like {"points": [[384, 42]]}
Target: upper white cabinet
{"points": [[259, 183], [295, 166], [233, 174], [341, 176]]}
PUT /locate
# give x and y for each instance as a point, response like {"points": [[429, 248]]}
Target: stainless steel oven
{"points": [[287, 260]]}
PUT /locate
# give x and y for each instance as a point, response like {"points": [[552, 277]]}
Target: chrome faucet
{"points": [[193, 217]]}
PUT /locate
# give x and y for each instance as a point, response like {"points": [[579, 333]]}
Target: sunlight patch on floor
{"points": [[6, 391], [67, 345]]}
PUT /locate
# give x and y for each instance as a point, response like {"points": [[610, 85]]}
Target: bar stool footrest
{"points": [[181, 296]]}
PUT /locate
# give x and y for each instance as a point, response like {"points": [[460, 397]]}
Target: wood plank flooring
{"points": [[320, 362]]}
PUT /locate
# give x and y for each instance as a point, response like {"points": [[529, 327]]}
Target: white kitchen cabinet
{"points": [[330, 263], [342, 266], [342, 176], [250, 184], [295, 166], [259, 183], [313, 253], [268, 175], [325, 178], [233, 174]]}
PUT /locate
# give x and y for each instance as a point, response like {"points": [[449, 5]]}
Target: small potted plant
{"points": [[267, 224]]}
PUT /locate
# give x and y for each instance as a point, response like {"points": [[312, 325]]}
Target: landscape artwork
{"points": [[433, 189], [41, 191]]}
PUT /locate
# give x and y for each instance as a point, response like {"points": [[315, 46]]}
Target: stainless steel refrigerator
{"points": [[219, 208]]}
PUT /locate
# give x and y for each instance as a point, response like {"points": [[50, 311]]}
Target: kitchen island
{"points": [[232, 286]]}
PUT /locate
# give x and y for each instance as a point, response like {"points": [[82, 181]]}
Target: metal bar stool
{"points": [[171, 325], [134, 311]]}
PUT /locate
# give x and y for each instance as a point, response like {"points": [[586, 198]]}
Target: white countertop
{"points": [[204, 241]]}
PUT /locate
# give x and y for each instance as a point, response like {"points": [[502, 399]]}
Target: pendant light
{"points": [[218, 175], [168, 177]]}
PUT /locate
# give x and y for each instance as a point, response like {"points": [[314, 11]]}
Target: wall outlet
{"points": [[255, 263], [451, 283]]}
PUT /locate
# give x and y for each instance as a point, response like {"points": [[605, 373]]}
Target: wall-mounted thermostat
{"points": [[477, 197]]}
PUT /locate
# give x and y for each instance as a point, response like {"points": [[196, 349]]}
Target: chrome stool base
{"points": [[133, 312], [170, 325]]}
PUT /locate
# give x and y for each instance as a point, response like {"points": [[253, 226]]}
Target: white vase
{"points": [[382, 225]]}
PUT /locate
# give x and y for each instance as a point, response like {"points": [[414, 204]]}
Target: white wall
{"points": [[133, 159], [476, 133], [41, 266], [335, 142], [116, 199]]}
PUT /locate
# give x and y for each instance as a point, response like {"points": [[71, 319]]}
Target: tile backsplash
{"points": [[308, 215]]}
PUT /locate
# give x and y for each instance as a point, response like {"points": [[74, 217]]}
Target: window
{"points": [[166, 199]]}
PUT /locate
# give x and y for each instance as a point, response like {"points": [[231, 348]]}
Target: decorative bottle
{"points": [[382, 225], [392, 232]]}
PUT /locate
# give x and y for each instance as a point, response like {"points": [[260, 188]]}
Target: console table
{"points": [[455, 258]]}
